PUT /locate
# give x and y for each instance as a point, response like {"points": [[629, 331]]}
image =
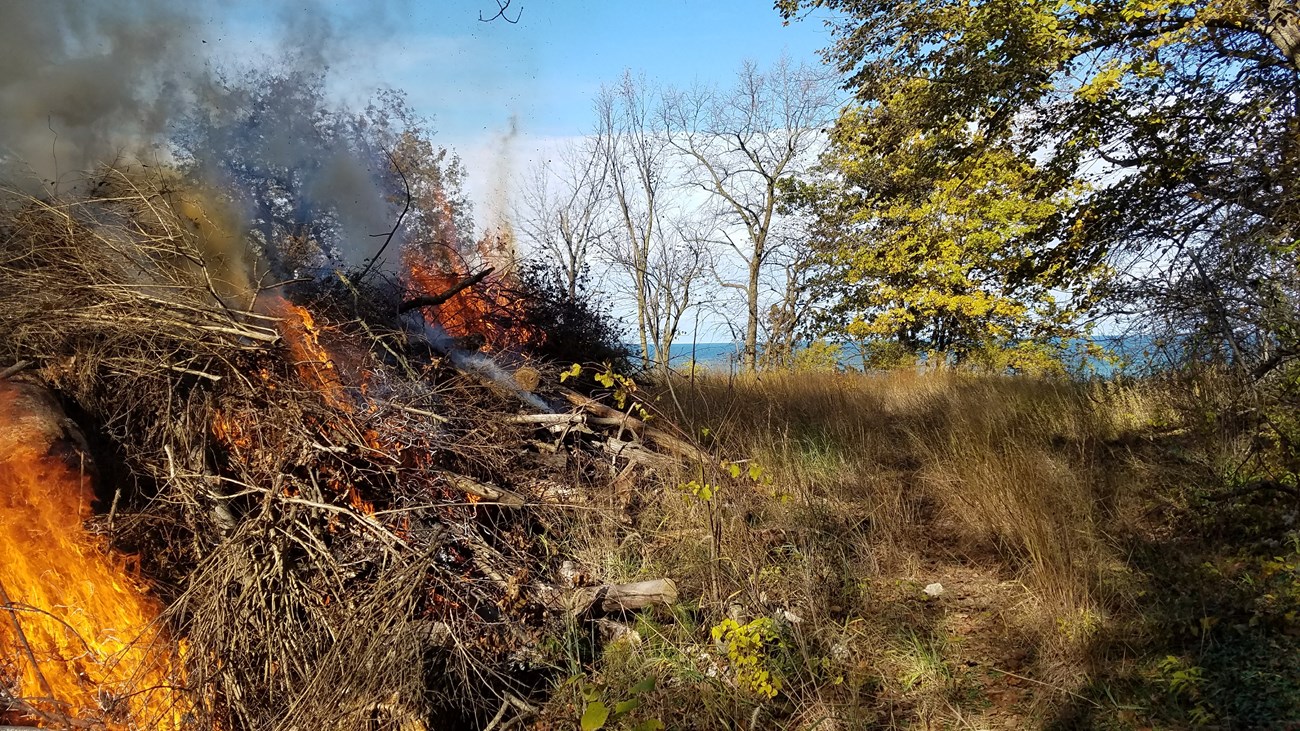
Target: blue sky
{"points": [[473, 78]]}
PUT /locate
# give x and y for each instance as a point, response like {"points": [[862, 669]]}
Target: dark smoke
{"points": [[86, 83], [129, 82]]}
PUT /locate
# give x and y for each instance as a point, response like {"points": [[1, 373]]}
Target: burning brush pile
{"points": [[232, 505]]}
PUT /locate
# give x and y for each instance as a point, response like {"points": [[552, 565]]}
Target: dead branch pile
{"points": [[363, 539]]}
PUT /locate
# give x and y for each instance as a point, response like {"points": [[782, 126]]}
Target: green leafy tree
{"points": [[943, 253], [1174, 121]]}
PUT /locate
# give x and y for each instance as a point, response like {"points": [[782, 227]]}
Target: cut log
{"points": [[607, 598], [628, 597], [637, 454], [489, 493], [550, 491], [663, 439], [623, 597], [548, 419], [33, 418]]}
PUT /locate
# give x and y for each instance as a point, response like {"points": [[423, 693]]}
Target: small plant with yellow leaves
{"points": [[747, 647], [750, 469], [621, 387], [700, 489]]}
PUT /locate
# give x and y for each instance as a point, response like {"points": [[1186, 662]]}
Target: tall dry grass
{"points": [[1027, 469], [864, 489]]}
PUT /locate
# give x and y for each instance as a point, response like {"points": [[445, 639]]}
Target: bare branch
{"points": [[502, 7], [435, 300]]}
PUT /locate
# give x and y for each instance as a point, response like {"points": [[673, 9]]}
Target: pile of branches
{"points": [[368, 541]]}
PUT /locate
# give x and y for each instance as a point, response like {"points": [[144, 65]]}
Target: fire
{"points": [[314, 363], [80, 644], [490, 311]]}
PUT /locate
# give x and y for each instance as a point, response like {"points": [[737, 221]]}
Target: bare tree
{"points": [[791, 314], [676, 280], [738, 144], [563, 208], [637, 158]]}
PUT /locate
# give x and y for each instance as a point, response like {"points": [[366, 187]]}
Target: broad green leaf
{"points": [[574, 371], [623, 708], [594, 717]]}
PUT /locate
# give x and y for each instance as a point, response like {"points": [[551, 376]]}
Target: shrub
{"points": [[580, 329]]}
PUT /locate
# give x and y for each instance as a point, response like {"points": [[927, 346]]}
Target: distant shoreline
{"points": [[725, 355]]}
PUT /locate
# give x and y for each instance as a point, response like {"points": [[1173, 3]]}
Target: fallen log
{"points": [[548, 419], [633, 452], [579, 418], [608, 598], [624, 597], [663, 439], [489, 493]]}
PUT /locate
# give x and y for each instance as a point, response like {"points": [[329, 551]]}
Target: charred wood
{"points": [[438, 299]]}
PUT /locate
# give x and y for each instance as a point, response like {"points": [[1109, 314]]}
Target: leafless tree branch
{"points": [[502, 7]]}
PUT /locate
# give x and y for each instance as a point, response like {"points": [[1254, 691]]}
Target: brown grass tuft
{"points": [[854, 493]]}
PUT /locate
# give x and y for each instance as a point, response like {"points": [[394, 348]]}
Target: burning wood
{"points": [[441, 298], [314, 364], [79, 636], [309, 490], [465, 305]]}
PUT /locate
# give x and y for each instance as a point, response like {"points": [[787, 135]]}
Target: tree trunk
{"points": [[642, 317], [1283, 29], [751, 316]]}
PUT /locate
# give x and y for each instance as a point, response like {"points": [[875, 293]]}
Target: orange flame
{"points": [[316, 367], [490, 310], [312, 360], [80, 644]]}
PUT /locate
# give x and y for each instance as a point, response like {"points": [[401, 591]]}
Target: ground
{"points": [[1097, 571]]}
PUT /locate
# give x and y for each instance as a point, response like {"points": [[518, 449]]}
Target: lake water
{"points": [[1132, 352]]}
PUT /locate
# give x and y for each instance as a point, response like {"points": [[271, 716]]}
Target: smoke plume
{"points": [[130, 82], [88, 83]]}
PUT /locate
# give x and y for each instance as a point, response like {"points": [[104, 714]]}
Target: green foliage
{"points": [[1002, 150], [702, 490], [594, 716], [920, 661], [950, 254], [818, 356], [595, 713], [1031, 357], [621, 387], [885, 354], [748, 647], [1185, 683], [572, 371]]}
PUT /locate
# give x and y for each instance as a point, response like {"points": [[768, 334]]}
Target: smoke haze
{"points": [[85, 83], [123, 82]]}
